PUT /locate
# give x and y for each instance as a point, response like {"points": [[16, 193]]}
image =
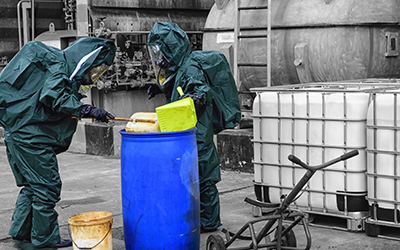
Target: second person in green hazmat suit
{"points": [[41, 89], [204, 76]]}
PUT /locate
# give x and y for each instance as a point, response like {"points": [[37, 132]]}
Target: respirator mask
{"points": [[160, 64], [91, 77]]}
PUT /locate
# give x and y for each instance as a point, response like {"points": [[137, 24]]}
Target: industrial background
{"points": [[347, 49]]}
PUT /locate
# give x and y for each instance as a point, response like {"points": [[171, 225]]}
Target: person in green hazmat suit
{"points": [[204, 76], [41, 89]]}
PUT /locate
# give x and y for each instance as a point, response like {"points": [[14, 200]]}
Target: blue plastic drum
{"points": [[160, 190]]}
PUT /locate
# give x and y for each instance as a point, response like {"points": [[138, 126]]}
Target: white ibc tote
{"points": [[315, 122]]}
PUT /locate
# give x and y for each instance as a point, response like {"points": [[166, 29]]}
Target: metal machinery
{"points": [[132, 67], [123, 89], [129, 29]]}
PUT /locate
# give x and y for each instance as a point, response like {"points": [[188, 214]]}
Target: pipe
{"points": [[269, 65], [25, 25], [19, 21], [33, 18], [19, 24]]}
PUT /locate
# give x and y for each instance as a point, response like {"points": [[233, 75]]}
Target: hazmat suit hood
{"points": [[39, 96], [174, 44], [103, 52]]}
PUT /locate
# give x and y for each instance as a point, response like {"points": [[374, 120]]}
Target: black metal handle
{"points": [[343, 157], [295, 160], [349, 154]]}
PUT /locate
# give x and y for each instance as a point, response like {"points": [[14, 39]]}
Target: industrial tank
{"points": [[312, 40], [140, 15]]}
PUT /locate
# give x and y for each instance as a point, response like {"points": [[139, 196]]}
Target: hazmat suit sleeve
{"points": [[194, 85], [58, 95]]}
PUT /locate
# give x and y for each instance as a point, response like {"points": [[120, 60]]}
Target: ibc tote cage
{"points": [[275, 178], [383, 172]]}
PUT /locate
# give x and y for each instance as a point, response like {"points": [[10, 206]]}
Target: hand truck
{"points": [[275, 213]]}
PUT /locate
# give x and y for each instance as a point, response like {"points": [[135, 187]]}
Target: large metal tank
{"points": [[312, 40], [140, 15]]}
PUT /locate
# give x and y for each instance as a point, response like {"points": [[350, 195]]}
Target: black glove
{"points": [[153, 90], [89, 111], [198, 99]]}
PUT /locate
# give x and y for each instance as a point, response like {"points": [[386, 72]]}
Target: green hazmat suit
{"points": [[37, 100], [208, 73]]}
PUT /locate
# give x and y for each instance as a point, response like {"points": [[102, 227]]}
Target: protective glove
{"points": [[153, 90], [198, 99], [89, 111]]}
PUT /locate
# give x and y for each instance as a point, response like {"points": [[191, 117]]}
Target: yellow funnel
{"points": [[177, 116]]}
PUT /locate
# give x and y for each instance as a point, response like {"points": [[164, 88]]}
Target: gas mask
{"points": [[91, 77], [98, 71], [160, 65], [83, 89]]}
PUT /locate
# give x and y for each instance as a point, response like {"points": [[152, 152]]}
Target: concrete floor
{"points": [[92, 183]]}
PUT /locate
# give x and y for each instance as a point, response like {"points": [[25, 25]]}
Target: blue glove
{"points": [[89, 111], [153, 90], [198, 99]]}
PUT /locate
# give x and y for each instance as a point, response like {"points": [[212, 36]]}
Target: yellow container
{"points": [[91, 230], [177, 116], [143, 122]]}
